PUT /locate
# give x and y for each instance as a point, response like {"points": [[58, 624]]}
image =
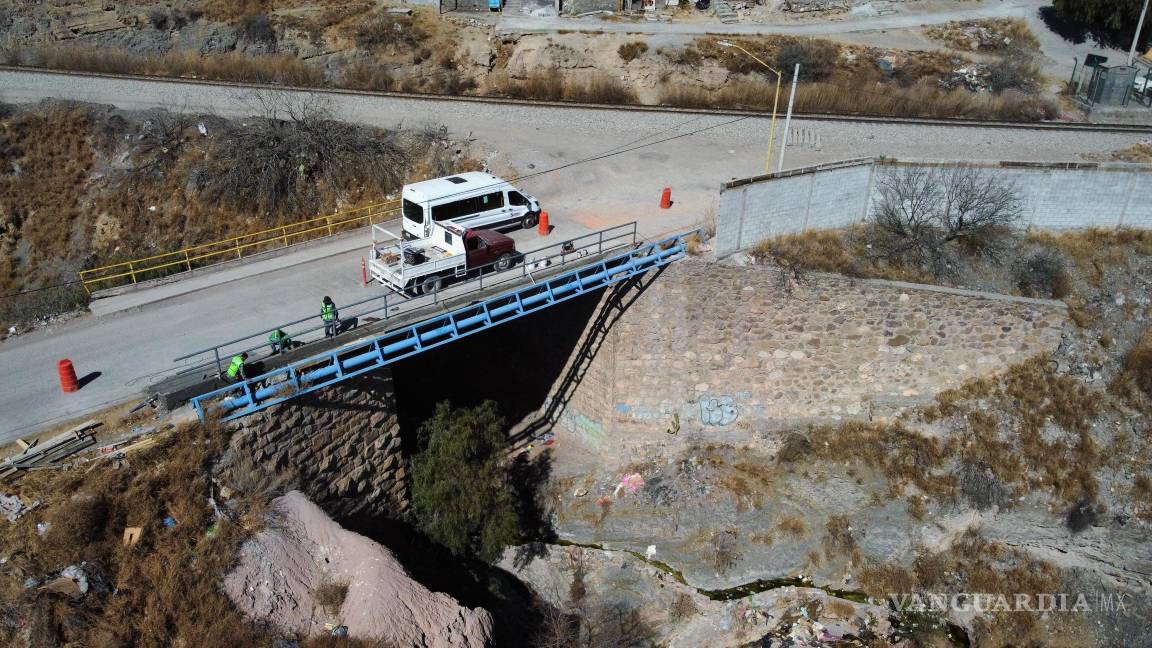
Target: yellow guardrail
{"points": [[237, 247]]}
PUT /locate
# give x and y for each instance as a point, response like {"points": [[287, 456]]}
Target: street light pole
{"points": [[1136, 36], [788, 118], [775, 100]]}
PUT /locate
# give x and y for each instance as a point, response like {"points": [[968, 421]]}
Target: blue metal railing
{"points": [[257, 393]]}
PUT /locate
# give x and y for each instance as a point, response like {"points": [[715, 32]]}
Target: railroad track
{"points": [[1084, 127]]}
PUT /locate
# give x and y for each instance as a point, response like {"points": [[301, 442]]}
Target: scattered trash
{"points": [[580, 492], [340, 631], [30, 583], [13, 508], [202, 128], [650, 553], [42, 528], [675, 424], [631, 483], [213, 529], [132, 536], [169, 522], [72, 582]]}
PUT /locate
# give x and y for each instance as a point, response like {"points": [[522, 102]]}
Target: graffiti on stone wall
{"points": [[718, 410]]}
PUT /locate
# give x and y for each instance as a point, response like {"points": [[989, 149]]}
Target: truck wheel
{"points": [[430, 285], [503, 262], [529, 220]]}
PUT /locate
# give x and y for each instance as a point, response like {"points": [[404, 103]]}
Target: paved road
{"points": [[130, 348]]}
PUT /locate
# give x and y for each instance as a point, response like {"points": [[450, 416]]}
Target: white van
{"points": [[471, 200]]}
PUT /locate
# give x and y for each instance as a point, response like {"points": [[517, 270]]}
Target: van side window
{"points": [[494, 200], [474, 243], [516, 198], [451, 210]]}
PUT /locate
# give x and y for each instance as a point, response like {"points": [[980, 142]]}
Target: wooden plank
{"points": [[24, 445]]}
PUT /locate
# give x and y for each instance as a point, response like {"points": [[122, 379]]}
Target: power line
{"points": [[627, 147]]}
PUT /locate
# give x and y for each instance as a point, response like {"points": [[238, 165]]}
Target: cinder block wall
{"points": [[1055, 196], [341, 446]]}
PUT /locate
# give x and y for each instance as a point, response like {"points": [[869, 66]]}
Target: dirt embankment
{"points": [[110, 185], [305, 572], [363, 46]]}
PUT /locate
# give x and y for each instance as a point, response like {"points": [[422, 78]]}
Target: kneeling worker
{"points": [[237, 370], [279, 341]]}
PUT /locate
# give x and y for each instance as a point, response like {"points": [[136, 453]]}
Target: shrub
{"points": [[1042, 274], [817, 59], [158, 18], [389, 31], [542, 88], [330, 596], [631, 51], [1015, 71], [461, 495], [1138, 364], [1082, 515], [687, 56], [256, 28], [367, 76], [979, 485], [602, 89]]}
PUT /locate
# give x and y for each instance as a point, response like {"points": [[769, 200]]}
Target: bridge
{"points": [[319, 371]]}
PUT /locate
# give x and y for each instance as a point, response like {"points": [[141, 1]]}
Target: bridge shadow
{"points": [[517, 364], [620, 298]]}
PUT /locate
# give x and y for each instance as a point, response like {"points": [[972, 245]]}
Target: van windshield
{"points": [[413, 212]]}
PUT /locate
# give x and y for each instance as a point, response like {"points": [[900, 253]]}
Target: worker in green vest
{"points": [[237, 370], [279, 341], [330, 316]]}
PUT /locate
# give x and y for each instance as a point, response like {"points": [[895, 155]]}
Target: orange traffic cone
{"points": [[543, 229], [666, 198], [68, 381]]}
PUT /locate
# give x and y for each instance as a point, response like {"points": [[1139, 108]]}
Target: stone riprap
{"points": [[341, 446], [720, 349], [1053, 196]]}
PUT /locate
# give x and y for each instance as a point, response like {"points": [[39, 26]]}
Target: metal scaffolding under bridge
{"points": [[325, 369]]}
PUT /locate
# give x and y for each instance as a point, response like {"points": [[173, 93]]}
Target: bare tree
{"points": [[277, 161], [922, 210]]}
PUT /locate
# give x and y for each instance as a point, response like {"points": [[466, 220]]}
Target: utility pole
{"points": [[788, 119], [1136, 36]]}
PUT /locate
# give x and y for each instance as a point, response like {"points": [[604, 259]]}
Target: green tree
{"points": [[461, 494], [1115, 18]]}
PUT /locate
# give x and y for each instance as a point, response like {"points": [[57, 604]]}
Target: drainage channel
{"points": [[903, 622]]}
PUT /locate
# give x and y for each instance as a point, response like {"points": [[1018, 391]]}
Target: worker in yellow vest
{"points": [[279, 341], [237, 369], [330, 316]]}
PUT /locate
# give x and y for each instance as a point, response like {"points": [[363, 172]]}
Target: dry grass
{"points": [[1137, 368], [1018, 446], [838, 539], [231, 66], [166, 586], [1095, 251], [792, 525], [1141, 153], [367, 76], [905, 457], [682, 607], [920, 100], [633, 50], [973, 564], [330, 596]]}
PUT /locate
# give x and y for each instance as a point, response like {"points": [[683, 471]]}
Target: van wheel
{"points": [[430, 285], [503, 262], [529, 220]]}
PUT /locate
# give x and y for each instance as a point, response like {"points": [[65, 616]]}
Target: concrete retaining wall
{"points": [[1055, 196]]}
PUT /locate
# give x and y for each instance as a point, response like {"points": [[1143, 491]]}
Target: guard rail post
{"points": [[328, 219], [132, 271], [219, 367], [284, 234], [237, 243]]}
